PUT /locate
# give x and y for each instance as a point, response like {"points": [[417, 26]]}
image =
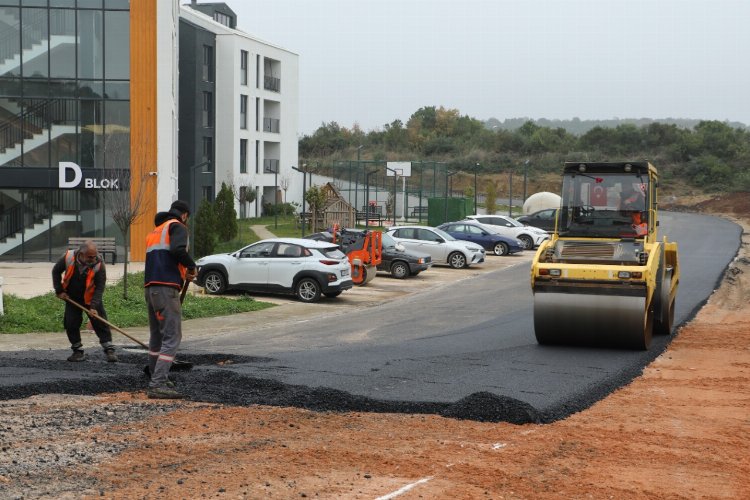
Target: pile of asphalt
{"points": [[211, 381]]}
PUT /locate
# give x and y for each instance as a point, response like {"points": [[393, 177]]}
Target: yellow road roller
{"points": [[604, 278]]}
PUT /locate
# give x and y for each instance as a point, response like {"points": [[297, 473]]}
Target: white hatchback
{"points": [[441, 246], [294, 266], [530, 236]]}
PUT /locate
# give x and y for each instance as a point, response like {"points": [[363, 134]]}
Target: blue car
{"points": [[484, 236]]}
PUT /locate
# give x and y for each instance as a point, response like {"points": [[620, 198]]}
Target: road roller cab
{"points": [[604, 278]]}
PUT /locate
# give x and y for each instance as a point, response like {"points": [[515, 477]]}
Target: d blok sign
{"points": [[65, 168]]}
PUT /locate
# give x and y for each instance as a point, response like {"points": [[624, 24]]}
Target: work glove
{"points": [[62, 296]]}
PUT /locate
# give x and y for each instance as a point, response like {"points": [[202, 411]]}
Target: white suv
{"points": [[530, 236], [294, 266], [441, 246]]}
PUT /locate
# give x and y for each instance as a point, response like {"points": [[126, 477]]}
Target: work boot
{"points": [[77, 356], [111, 356], [163, 393], [168, 383]]}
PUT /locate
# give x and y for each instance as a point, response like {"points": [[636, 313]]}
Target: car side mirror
{"points": [[439, 240], [484, 233]]}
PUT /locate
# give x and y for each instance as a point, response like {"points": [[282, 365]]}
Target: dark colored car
{"points": [[476, 233], [400, 262], [544, 219]]}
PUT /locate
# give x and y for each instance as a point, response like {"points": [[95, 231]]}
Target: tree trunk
{"points": [[125, 265]]}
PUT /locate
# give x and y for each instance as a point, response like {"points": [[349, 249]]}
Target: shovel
{"points": [[177, 365]]}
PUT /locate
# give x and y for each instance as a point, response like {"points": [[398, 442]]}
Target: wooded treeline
{"points": [[712, 155]]}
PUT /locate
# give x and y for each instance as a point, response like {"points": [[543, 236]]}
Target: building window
{"points": [[223, 19], [243, 111], [208, 193], [243, 156], [208, 104], [208, 150], [208, 62], [257, 113], [257, 157], [257, 71], [243, 67]]}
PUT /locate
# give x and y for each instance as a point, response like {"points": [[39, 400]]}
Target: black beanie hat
{"points": [[180, 206]]}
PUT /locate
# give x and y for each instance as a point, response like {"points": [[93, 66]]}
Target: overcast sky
{"points": [[374, 61]]}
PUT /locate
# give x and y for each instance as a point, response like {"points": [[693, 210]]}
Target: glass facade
{"points": [[64, 97]]}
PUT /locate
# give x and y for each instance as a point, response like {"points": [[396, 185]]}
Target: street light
{"points": [[356, 185], [193, 206], [395, 181], [510, 194], [525, 178], [445, 212], [304, 191], [367, 196], [476, 169]]}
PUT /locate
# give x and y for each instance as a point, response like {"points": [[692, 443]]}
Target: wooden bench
{"points": [[104, 245], [419, 211], [372, 216]]}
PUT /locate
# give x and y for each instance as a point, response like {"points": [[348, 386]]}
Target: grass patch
{"points": [[45, 313]]}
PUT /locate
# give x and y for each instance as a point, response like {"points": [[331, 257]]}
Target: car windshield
{"points": [[388, 241], [603, 205], [512, 221], [333, 252], [444, 235]]}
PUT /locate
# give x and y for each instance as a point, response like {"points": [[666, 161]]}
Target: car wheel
{"points": [[500, 248], [399, 270], [214, 283], [457, 260], [308, 290], [332, 295], [528, 243]]}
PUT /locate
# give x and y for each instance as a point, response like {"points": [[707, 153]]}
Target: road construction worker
{"points": [[633, 204], [169, 267], [81, 276]]}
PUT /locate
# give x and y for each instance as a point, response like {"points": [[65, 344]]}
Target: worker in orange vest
{"points": [[633, 203], [80, 276], [169, 267]]}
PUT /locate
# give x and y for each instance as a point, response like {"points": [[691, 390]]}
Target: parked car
{"points": [[482, 235], [441, 246], [544, 219], [531, 236], [293, 266], [400, 262]]}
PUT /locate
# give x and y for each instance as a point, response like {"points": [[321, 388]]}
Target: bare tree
{"points": [[128, 202], [284, 184], [243, 194]]}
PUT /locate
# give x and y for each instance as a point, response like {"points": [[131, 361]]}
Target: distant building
{"points": [[91, 94]]}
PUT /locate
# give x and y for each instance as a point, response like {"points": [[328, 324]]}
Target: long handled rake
{"points": [[177, 365]]}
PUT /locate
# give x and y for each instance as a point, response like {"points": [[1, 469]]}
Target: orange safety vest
{"points": [[161, 267], [70, 268], [640, 227]]}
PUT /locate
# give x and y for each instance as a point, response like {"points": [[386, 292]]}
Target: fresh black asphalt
{"points": [[463, 350]]}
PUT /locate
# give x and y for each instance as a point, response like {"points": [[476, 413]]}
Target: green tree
{"points": [[315, 198], [226, 215], [490, 198], [205, 229]]}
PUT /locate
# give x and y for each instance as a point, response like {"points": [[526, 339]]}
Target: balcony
{"points": [[272, 83], [270, 166], [271, 125]]}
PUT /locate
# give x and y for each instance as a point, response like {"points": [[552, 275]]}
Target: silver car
{"points": [[530, 236], [441, 246]]}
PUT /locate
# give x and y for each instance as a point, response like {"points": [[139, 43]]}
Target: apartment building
{"points": [[238, 111], [93, 95]]}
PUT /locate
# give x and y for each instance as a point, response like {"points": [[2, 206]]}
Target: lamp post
{"points": [[525, 178], [476, 169], [510, 193], [395, 183], [445, 212], [194, 187], [356, 184], [367, 196], [276, 196], [304, 191]]}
